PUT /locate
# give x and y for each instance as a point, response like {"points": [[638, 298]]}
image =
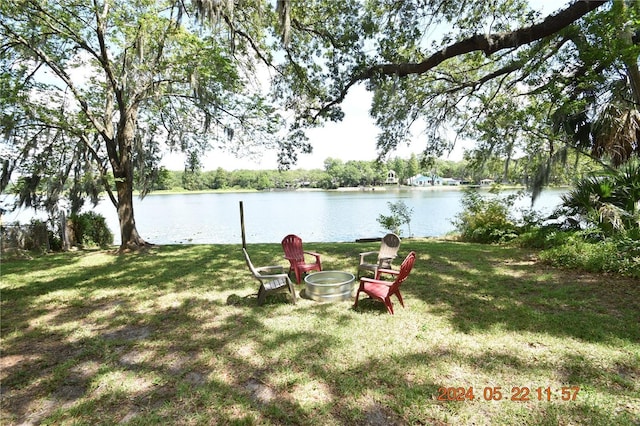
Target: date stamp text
{"points": [[515, 393]]}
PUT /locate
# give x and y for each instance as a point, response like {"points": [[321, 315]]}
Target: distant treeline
{"points": [[338, 173]]}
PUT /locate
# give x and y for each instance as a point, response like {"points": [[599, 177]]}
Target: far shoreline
{"points": [[351, 189]]}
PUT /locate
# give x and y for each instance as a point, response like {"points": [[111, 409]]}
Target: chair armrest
{"points": [[365, 254], [374, 281], [387, 271], [278, 269], [312, 253], [272, 276]]}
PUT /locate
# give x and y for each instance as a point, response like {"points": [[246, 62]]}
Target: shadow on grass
{"points": [[478, 290]]}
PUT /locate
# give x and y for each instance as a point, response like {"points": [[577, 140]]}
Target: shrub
{"points": [[577, 253], [38, 236], [400, 215], [91, 229], [55, 242], [612, 255], [609, 200], [543, 237], [486, 220], [628, 256]]}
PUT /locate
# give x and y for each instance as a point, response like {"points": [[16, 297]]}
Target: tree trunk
{"points": [[633, 72], [122, 164], [507, 163], [130, 239]]}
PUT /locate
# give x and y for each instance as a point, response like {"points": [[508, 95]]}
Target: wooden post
{"points": [[63, 230], [244, 241]]}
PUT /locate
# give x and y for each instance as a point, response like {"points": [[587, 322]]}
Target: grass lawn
{"points": [[174, 336]]}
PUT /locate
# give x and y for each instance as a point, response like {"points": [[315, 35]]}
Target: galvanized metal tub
{"points": [[329, 286]]}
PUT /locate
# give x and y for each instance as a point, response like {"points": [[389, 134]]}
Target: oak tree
{"points": [[95, 92]]}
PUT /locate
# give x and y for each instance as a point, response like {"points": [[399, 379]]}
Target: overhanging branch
{"points": [[487, 43]]}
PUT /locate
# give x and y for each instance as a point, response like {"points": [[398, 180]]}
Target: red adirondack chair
{"points": [[383, 290], [294, 253]]}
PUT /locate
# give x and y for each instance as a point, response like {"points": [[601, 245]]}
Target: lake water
{"points": [[321, 216]]}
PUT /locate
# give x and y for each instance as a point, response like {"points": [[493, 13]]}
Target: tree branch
{"points": [[487, 43]]}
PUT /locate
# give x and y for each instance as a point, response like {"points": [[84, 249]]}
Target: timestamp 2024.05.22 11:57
{"points": [[515, 393]]}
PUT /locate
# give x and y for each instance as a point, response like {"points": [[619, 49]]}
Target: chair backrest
{"points": [[249, 264], [292, 246], [405, 268], [389, 246]]}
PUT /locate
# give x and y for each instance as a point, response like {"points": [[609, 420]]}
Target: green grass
{"points": [[174, 336]]}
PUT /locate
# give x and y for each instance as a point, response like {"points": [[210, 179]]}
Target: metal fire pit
{"points": [[329, 286]]}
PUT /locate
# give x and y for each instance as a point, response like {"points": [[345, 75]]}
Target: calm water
{"points": [[314, 215]]}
